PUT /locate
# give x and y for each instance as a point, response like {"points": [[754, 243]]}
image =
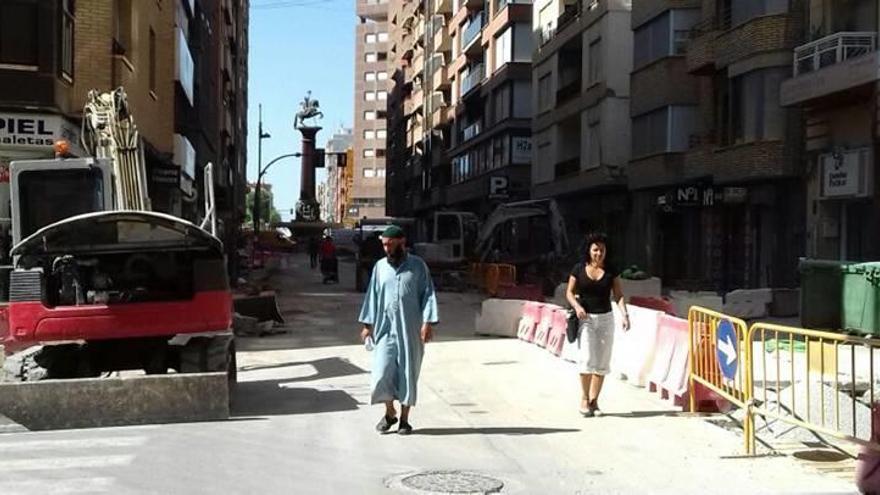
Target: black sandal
{"points": [[385, 424], [404, 428]]}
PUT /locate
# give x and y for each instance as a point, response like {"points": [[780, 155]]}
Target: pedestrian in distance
{"points": [[590, 287], [329, 263], [313, 252], [398, 314]]}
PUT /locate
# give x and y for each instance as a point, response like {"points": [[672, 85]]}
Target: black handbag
{"points": [[572, 326]]}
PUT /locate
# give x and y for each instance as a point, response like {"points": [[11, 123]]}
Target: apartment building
{"points": [[372, 84], [332, 192], [53, 52], [834, 78], [716, 175], [461, 105], [581, 128], [490, 75]]}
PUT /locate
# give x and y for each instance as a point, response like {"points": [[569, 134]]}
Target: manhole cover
{"points": [[457, 482]]}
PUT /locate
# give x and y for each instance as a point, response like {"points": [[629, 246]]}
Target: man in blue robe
{"points": [[399, 310]]}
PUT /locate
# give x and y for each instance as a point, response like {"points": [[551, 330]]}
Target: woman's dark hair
{"points": [[596, 238]]}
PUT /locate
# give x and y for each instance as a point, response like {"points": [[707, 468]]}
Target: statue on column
{"points": [[308, 109]]}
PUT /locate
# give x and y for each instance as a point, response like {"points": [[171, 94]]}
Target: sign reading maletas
{"points": [[34, 130]]}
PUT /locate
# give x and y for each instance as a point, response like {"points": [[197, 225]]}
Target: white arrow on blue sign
{"points": [[727, 345]]}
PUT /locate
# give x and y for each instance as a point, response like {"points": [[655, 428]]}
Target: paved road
{"points": [[496, 407]]}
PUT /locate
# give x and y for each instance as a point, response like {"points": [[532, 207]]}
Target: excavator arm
{"points": [[109, 131]]}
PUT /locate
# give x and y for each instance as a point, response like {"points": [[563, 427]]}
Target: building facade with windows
{"points": [[332, 192], [372, 84], [716, 168], [581, 129], [833, 78], [461, 106]]}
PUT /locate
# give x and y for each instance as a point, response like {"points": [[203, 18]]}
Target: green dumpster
{"points": [[821, 293], [861, 298]]}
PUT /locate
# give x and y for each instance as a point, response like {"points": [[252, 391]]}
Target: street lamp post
{"points": [[260, 173], [261, 136]]}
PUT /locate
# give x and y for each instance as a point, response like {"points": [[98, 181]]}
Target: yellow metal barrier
{"points": [[826, 356], [709, 358]]}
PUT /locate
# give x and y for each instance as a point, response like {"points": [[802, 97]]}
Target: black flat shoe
{"points": [[385, 424], [404, 428]]}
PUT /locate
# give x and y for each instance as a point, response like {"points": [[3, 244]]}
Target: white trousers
{"points": [[595, 341]]}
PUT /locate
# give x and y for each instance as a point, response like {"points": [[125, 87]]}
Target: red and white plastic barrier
{"points": [[542, 333], [556, 339], [634, 350], [669, 373], [531, 316]]}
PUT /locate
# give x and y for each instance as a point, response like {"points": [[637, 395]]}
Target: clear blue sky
{"points": [[295, 46]]}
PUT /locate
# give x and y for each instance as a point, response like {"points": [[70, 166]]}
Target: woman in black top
{"points": [[590, 286]]}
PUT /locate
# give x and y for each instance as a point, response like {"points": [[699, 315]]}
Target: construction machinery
{"points": [[99, 282], [530, 235]]}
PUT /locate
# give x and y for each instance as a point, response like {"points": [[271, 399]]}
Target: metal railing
{"points": [[472, 30], [832, 50], [471, 131], [787, 376], [473, 78], [571, 12], [835, 394], [500, 5]]}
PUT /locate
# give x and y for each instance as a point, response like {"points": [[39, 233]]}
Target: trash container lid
{"points": [[805, 264], [870, 269]]}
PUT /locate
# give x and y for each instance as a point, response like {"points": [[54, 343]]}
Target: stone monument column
{"points": [[307, 208]]}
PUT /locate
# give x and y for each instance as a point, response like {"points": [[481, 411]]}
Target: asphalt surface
{"points": [[490, 410]]}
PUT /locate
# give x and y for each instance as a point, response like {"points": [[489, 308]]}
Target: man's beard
{"points": [[396, 257]]}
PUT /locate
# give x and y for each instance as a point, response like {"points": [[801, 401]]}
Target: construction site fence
{"points": [[786, 376]]}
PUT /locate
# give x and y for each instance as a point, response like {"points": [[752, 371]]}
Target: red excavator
{"points": [[99, 283]]}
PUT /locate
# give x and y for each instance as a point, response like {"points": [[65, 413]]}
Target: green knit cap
{"points": [[393, 232]]}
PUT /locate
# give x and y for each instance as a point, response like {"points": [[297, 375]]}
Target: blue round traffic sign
{"points": [[727, 348]]}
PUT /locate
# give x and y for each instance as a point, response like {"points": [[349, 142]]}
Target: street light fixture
{"points": [[260, 173]]}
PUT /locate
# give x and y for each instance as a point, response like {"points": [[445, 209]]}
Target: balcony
{"points": [[184, 69], [571, 12], [443, 6], [471, 31], [472, 79], [440, 79], [418, 63], [438, 109], [568, 91], [471, 131], [502, 4], [442, 40], [832, 65], [832, 50], [373, 9]]}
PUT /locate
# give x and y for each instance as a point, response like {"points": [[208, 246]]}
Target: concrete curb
{"points": [[9, 426], [99, 402]]}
